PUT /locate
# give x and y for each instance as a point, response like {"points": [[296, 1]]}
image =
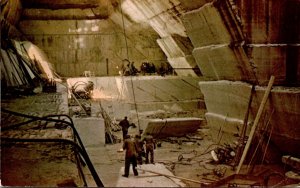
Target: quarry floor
{"points": [[52, 166]]}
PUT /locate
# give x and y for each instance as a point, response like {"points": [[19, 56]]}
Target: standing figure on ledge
{"points": [[150, 147], [130, 156], [125, 125]]}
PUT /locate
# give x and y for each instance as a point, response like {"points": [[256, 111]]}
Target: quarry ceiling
{"points": [[246, 40]]}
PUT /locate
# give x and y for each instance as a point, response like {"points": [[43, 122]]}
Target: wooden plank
{"points": [[16, 72], [9, 68], [253, 128], [244, 129]]}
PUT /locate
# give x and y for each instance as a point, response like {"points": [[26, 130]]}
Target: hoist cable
{"points": [[134, 100]]}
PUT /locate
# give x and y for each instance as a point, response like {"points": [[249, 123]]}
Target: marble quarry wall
{"points": [[164, 18], [99, 46], [227, 104], [98, 40], [248, 41], [149, 93], [156, 89], [238, 44], [179, 55]]}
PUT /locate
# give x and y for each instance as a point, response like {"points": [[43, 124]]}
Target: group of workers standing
{"points": [[146, 68], [135, 150]]}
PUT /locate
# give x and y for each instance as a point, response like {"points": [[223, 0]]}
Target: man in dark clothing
{"points": [[140, 148], [150, 146], [125, 125], [130, 156]]}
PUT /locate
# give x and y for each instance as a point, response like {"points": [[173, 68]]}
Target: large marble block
{"points": [[225, 129], [161, 128], [226, 98], [184, 66], [205, 26], [219, 63]]}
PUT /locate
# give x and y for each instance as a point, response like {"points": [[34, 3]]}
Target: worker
{"points": [[127, 70], [140, 149], [133, 70], [125, 125], [130, 156], [150, 147]]}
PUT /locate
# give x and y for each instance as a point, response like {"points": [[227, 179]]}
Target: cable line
{"points": [[134, 100]]}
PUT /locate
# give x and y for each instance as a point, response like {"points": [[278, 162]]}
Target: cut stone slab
{"points": [[205, 26], [225, 129], [91, 130], [220, 62], [183, 66], [160, 128], [226, 98], [147, 179]]}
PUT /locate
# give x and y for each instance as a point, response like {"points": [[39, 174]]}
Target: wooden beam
{"points": [[253, 128], [60, 4], [65, 14]]}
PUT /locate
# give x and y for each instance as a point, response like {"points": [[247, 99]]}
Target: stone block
{"points": [[175, 46], [226, 98], [184, 66], [185, 62], [205, 26], [170, 47], [161, 128], [224, 129], [219, 63]]}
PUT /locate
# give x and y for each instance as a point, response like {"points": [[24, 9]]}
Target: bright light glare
{"points": [[43, 63], [98, 94]]}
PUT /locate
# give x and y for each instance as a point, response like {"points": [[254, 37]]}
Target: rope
{"points": [[124, 29], [134, 100]]}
